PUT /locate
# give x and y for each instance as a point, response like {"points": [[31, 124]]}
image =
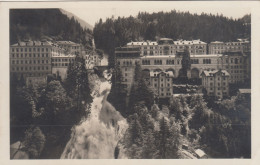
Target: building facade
{"points": [[70, 47], [162, 83], [32, 58], [60, 64], [216, 83], [166, 46], [218, 47]]}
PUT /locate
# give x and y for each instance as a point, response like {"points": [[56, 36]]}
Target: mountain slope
{"points": [[51, 24], [83, 23]]}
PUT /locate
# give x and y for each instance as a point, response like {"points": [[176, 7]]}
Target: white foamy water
{"points": [[98, 136]]}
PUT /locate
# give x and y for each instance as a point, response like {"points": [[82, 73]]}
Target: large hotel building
{"points": [[166, 55], [32, 59]]}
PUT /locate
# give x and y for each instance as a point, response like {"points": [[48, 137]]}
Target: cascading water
{"points": [[97, 137]]}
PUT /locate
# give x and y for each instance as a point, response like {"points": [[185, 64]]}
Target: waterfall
{"points": [[97, 136]]}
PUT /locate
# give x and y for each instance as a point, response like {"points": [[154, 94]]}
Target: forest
{"points": [[42, 114], [111, 33], [159, 131], [50, 24]]}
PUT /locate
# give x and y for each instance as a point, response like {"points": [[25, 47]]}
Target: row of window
{"points": [[211, 84], [206, 61], [237, 67], [235, 60], [168, 85], [30, 68], [219, 94], [224, 88], [155, 79], [30, 55], [237, 71], [30, 62], [62, 60], [30, 49], [60, 64], [128, 63]]}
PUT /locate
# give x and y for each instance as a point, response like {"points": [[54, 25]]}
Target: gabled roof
{"points": [[33, 43], [212, 73], [66, 43], [155, 73], [244, 91], [191, 42], [200, 153], [142, 43], [216, 42]]}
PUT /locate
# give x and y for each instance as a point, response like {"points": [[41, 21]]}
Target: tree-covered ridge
{"points": [[113, 33], [36, 24]]}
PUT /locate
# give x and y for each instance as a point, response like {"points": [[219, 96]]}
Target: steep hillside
{"points": [[83, 23], [36, 24]]}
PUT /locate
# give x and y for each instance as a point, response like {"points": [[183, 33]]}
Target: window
{"points": [[25, 49], [125, 74], [13, 62], [42, 49], [30, 49], [42, 55], [125, 69], [21, 49]]}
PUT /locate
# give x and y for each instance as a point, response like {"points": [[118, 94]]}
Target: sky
{"points": [[91, 12]]}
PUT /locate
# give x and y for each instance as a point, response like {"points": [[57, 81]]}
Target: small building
{"points": [[200, 154], [245, 92], [216, 82], [162, 83]]}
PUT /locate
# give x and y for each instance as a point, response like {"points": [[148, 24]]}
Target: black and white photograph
{"points": [[130, 80]]}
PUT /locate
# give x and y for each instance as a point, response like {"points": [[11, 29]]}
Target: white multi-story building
{"points": [[216, 83], [162, 83], [166, 46]]}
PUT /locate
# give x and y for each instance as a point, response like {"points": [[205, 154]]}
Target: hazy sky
{"points": [[91, 12]]}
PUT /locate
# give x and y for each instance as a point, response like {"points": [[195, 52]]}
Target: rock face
{"points": [[98, 136]]}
